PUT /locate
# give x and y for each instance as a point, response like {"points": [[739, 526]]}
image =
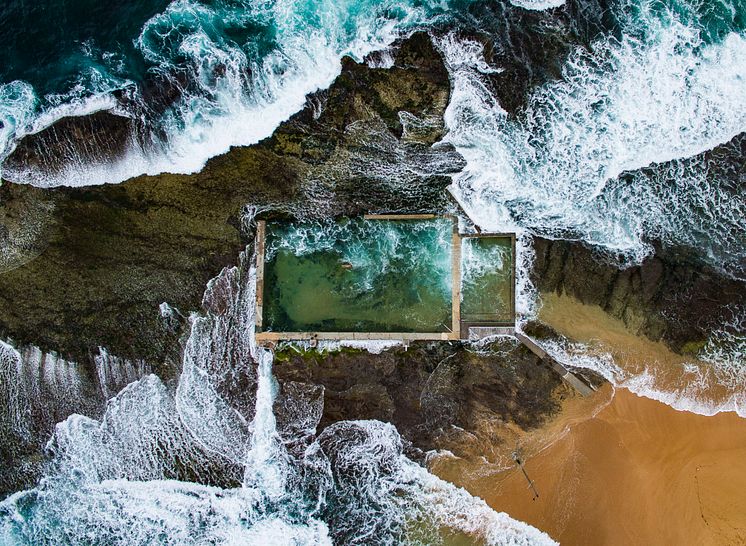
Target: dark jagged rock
{"points": [[71, 142], [671, 296], [100, 260], [439, 396]]}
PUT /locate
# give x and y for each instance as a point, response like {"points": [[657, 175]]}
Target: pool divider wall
{"points": [[261, 227], [456, 281], [458, 330]]}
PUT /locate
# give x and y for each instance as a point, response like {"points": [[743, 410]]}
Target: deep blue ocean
{"points": [[584, 119]]}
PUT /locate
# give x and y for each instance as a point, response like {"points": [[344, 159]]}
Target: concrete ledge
{"points": [[354, 336], [261, 227], [475, 333], [567, 376]]}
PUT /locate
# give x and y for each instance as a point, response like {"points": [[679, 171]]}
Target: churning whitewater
{"points": [[609, 151], [192, 468], [203, 77]]}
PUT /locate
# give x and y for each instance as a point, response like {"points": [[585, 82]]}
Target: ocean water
{"points": [[618, 100], [600, 133], [199, 466], [201, 75]]}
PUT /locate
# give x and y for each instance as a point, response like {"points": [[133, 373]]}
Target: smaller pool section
{"points": [[358, 275], [487, 280]]}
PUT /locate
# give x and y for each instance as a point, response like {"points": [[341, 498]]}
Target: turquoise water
{"points": [[202, 75], [487, 281], [612, 88], [358, 276]]}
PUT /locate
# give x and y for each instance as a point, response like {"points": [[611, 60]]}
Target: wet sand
{"points": [[636, 472]]}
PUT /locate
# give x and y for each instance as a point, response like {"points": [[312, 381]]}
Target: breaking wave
{"points": [[234, 70], [203, 464], [568, 164], [709, 383]]}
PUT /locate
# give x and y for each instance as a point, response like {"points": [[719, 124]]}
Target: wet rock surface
{"points": [[84, 268], [671, 296], [438, 395], [74, 142]]}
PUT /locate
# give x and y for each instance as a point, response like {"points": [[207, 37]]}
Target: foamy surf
{"points": [[124, 475], [653, 96], [685, 384], [232, 93]]}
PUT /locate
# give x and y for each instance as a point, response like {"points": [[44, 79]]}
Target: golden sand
{"points": [[631, 470]]}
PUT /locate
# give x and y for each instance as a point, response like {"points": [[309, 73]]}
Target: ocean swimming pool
{"points": [[380, 275]]}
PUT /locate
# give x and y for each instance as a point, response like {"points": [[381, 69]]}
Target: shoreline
{"points": [[636, 471]]}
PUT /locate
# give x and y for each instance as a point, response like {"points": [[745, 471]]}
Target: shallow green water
{"points": [[358, 275], [487, 279]]}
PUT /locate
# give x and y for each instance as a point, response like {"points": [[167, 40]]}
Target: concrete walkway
{"points": [[567, 376]]}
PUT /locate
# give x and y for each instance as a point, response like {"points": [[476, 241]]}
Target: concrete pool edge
{"points": [[458, 331]]}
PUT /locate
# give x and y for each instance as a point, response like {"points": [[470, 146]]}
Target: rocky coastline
{"points": [[91, 267]]}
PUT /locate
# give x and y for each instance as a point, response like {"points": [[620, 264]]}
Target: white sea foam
{"points": [[238, 94], [373, 248], [112, 476], [660, 94], [538, 5], [627, 103], [372, 346], [699, 389]]}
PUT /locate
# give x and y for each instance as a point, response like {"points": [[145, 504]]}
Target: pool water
{"points": [[487, 279], [358, 275]]}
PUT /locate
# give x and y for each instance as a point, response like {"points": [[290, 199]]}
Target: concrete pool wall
{"points": [[455, 329]]}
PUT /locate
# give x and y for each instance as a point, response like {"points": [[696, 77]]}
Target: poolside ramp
{"points": [[567, 376]]}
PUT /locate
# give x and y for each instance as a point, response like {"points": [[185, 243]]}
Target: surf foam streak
{"points": [[624, 104], [692, 386], [538, 5]]}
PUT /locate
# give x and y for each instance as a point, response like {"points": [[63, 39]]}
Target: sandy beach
{"points": [[631, 470]]}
